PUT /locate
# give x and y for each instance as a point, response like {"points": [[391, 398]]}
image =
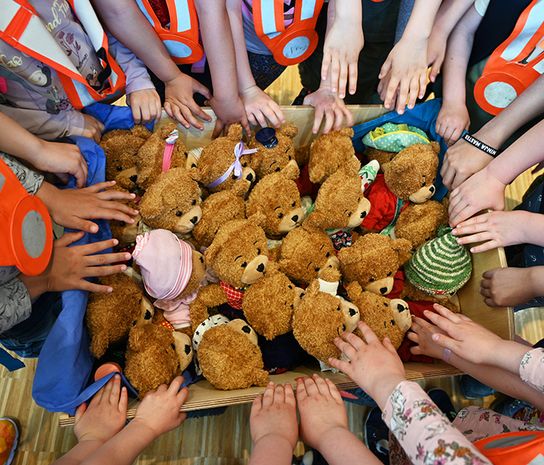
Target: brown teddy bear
{"points": [[226, 161], [322, 316], [269, 303], [276, 196], [386, 317], [373, 260], [125, 233], [304, 252], [107, 326], [419, 223], [275, 148], [155, 354], [121, 148], [330, 152], [173, 202], [162, 151], [217, 209], [409, 177], [381, 156]]}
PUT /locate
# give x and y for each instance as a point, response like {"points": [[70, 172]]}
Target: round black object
{"points": [[267, 137]]}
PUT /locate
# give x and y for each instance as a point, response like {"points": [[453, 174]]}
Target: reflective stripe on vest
{"points": [[22, 28], [514, 448], [515, 64], [181, 39], [292, 44]]}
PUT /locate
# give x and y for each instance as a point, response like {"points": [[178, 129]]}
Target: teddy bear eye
{"points": [[290, 157], [193, 202], [280, 215], [372, 279], [244, 164], [258, 251], [277, 170], [290, 286], [316, 269], [201, 259], [293, 204], [179, 213], [390, 273], [348, 214], [423, 184], [244, 265], [328, 254], [119, 168]]}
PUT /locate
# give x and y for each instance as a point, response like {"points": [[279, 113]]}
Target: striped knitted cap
{"points": [[440, 266]]}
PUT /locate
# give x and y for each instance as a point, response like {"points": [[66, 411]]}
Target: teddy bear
{"points": [[386, 317], [161, 152], [172, 273], [330, 152], [155, 354], [373, 260], [275, 148], [419, 223], [409, 177], [226, 161], [121, 147], [126, 233], [322, 315], [276, 196], [304, 252], [106, 326], [217, 209], [173, 202], [269, 303]]}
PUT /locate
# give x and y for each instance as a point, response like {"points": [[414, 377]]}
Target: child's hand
{"points": [[274, 414], [462, 160], [507, 287], [452, 121], [260, 108], [92, 128], [479, 192], [229, 111], [179, 103], [145, 105], [159, 411], [329, 107], [321, 410], [403, 77], [422, 334], [494, 229], [436, 51], [341, 56], [61, 159], [106, 414], [72, 208], [374, 365]]}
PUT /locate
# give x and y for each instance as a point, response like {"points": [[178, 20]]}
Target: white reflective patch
{"points": [[500, 94]]}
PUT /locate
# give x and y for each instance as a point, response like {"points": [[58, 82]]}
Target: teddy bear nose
{"points": [[295, 218], [260, 268], [363, 214], [194, 219], [432, 189], [383, 290], [249, 177], [134, 178], [187, 349]]}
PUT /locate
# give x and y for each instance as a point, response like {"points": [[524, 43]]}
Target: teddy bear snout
{"points": [[249, 175], [187, 222], [402, 315], [134, 178], [255, 269], [423, 194], [381, 286], [194, 219]]}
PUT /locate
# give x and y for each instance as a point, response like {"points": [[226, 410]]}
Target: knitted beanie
{"points": [[441, 266]]}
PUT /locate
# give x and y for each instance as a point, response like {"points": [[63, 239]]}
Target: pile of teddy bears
{"points": [[249, 257]]}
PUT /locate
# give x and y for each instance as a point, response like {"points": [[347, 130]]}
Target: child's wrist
{"points": [[274, 440], [147, 432]]}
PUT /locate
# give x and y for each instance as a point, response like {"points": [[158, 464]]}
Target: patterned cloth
{"points": [[341, 239], [395, 137], [235, 296]]}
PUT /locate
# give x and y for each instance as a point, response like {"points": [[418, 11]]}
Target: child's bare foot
{"points": [[321, 410], [106, 414]]}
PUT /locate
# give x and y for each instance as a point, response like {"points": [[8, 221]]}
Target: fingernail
{"points": [[94, 229], [435, 337], [472, 250], [115, 241], [123, 267], [127, 256], [133, 195], [110, 290]]}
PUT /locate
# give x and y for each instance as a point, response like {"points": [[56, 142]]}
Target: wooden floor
{"points": [[214, 440]]}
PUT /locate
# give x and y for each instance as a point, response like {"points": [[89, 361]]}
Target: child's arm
{"points": [[449, 14], [259, 106], [158, 413], [463, 160], [403, 77], [485, 189], [51, 157], [274, 428], [144, 42], [220, 52], [341, 56], [454, 117]]}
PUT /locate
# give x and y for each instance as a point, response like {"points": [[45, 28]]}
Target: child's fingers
{"points": [[218, 128], [335, 74], [175, 385], [446, 342], [413, 92], [115, 195], [341, 365], [252, 119], [96, 247], [318, 118], [201, 89], [99, 187], [386, 67], [486, 292], [110, 214], [321, 385], [257, 405], [345, 348], [105, 259], [329, 120], [68, 238], [145, 111], [259, 115], [115, 390], [136, 113], [123, 401], [179, 117], [443, 323], [277, 111], [198, 111], [353, 340], [271, 116], [416, 350], [489, 274], [390, 92], [182, 396], [268, 396], [80, 411], [343, 79], [311, 387], [335, 393], [84, 285], [389, 346], [186, 112], [325, 64], [422, 84], [289, 395], [279, 394], [353, 74], [414, 337], [338, 118], [402, 98], [368, 334], [83, 225], [100, 271], [485, 283], [301, 391]]}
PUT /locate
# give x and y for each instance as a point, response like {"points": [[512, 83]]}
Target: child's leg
{"points": [[265, 69]]}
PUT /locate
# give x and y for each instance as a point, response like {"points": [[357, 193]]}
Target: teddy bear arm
{"points": [[208, 297]]}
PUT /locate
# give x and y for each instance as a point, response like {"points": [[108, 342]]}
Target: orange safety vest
{"points": [[515, 64], [517, 448], [181, 39], [292, 44], [25, 227], [22, 28]]}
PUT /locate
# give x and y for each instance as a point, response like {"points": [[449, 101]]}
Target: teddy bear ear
{"points": [[137, 339], [239, 189], [347, 132], [257, 218], [435, 146], [211, 253], [354, 290], [150, 205], [404, 249], [329, 274], [291, 171], [165, 129], [314, 220], [347, 256], [289, 130], [194, 174], [235, 132]]}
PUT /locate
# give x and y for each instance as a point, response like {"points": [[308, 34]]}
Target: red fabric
{"points": [[235, 297], [416, 309], [3, 85], [305, 186], [382, 205], [161, 10], [398, 285]]}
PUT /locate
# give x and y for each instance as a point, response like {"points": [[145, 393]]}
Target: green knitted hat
{"points": [[440, 266]]}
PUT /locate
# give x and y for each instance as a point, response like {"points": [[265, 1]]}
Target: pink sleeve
{"points": [[135, 71], [531, 369], [424, 432]]}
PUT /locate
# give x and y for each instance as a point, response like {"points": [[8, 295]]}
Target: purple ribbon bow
{"points": [[239, 152]]}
